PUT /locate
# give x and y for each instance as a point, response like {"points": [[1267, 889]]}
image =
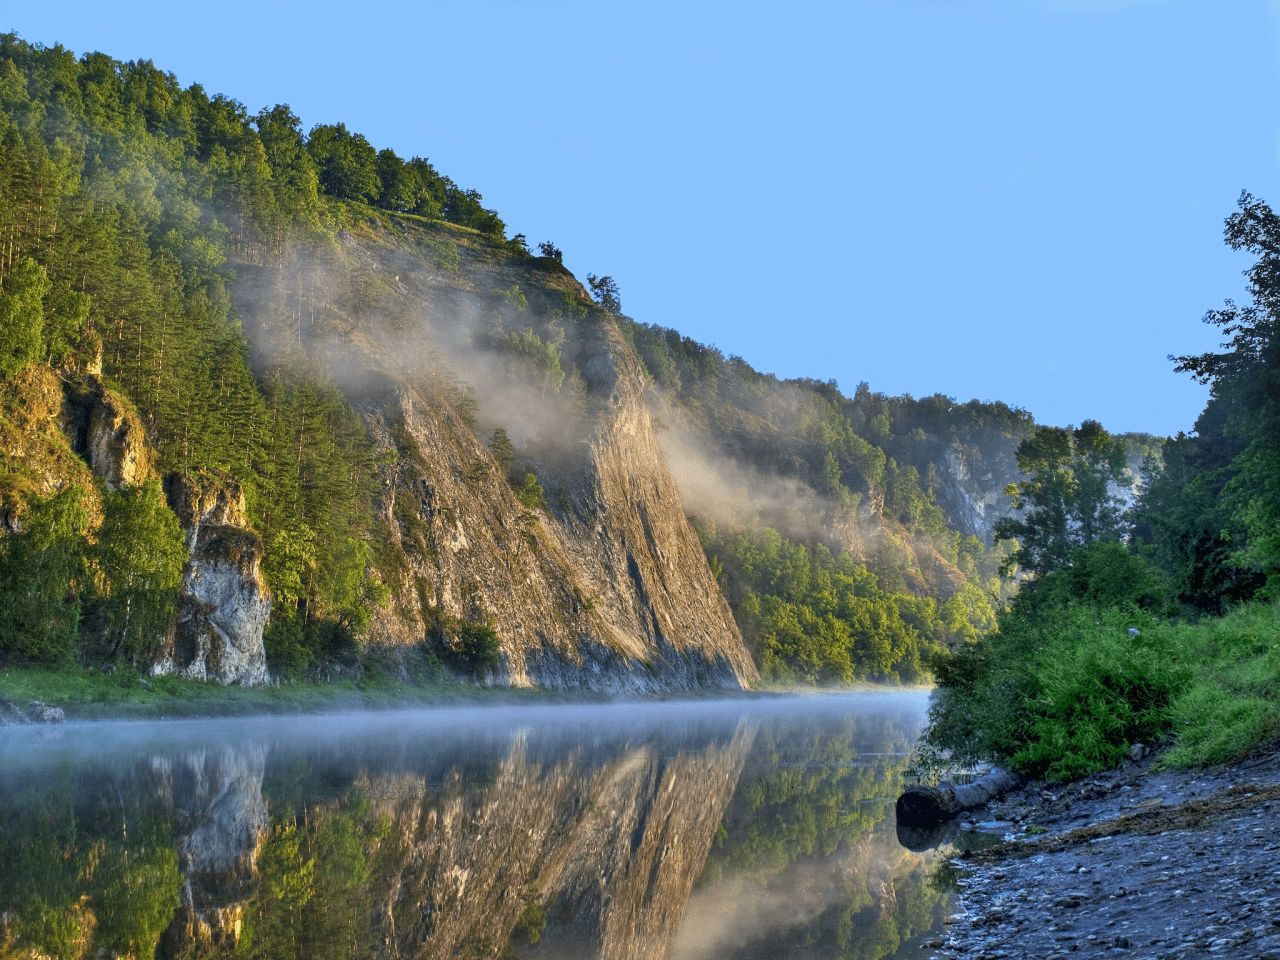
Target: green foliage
{"points": [[1234, 703], [138, 558], [1077, 672], [1065, 502], [43, 571], [812, 617], [605, 290], [1060, 695], [504, 450], [530, 493], [446, 256], [541, 358], [532, 921], [1100, 689], [22, 316], [345, 162]]}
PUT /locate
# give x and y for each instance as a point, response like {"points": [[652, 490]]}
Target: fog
{"points": [[38, 746]]}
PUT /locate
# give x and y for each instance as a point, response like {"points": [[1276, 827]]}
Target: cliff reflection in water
{"points": [[620, 832]]}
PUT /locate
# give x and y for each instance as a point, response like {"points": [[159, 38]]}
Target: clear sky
{"points": [[1004, 199]]}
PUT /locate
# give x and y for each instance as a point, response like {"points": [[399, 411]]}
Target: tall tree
{"points": [[1066, 503], [1244, 381]]}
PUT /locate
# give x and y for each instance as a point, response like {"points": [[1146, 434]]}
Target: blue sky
{"points": [[1004, 199]]}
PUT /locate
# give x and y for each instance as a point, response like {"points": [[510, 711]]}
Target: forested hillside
{"points": [[271, 331]]}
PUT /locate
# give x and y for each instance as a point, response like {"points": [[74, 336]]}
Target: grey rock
{"points": [[224, 602], [118, 448], [40, 712]]}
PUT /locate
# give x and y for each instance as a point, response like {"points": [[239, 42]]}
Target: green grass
{"points": [[1231, 707], [93, 695]]}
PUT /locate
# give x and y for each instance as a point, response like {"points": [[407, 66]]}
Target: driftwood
{"points": [[920, 805]]}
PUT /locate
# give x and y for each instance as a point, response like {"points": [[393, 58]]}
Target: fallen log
{"points": [[920, 805]]}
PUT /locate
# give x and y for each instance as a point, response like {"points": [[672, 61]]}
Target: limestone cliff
{"points": [[604, 585], [224, 603], [972, 478]]}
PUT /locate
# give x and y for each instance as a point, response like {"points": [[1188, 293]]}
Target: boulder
{"points": [[40, 712]]}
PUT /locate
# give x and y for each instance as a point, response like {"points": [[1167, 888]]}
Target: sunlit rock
{"points": [[224, 602]]}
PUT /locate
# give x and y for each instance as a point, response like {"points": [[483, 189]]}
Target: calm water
{"points": [[686, 831]]}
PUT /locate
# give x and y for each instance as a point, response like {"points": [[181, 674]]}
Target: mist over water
{"points": [[682, 830]]}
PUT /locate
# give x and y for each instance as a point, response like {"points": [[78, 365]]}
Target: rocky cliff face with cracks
{"points": [[224, 603], [603, 586], [972, 481]]}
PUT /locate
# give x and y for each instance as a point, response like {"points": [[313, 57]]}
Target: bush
{"points": [[1103, 689]]}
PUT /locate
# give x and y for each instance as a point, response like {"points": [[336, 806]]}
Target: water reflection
{"points": [[656, 831]]}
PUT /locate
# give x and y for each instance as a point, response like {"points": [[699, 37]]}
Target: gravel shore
{"points": [[1135, 862]]}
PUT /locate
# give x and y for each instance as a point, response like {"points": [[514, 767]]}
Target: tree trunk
{"points": [[920, 805]]}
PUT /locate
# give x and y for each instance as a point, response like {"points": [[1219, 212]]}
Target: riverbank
{"points": [[130, 695], [1136, 862]]}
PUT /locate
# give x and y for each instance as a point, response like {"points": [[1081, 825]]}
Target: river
{"points": [[687, 830]]}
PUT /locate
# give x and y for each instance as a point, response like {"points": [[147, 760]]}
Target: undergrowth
{"points": [[1066, 692]]}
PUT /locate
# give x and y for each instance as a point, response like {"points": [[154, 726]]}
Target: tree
{"points": [[1244, 380], [42, 568], [605, 290], [139, 556], [346, 162], [22, 316], [1066, 502], [551, 251], [504, 450]]}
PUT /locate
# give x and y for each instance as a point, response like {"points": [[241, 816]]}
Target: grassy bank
{"points": [[127, 694], [1064, 694]]}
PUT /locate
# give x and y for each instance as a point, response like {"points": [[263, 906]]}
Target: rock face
{"points": [[606, 589], [605, 586], [224, 602], [972, 480], [34, 434], [221, 822], [117, 445]]}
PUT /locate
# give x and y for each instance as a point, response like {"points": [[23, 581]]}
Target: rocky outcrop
{"points": [[224, 602], [607, 588], [116, 442], [39, 456], [972, 478], [221, 823]]}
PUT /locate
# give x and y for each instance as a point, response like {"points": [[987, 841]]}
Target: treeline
{"points": [[868, 444], [1150, 623]]}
